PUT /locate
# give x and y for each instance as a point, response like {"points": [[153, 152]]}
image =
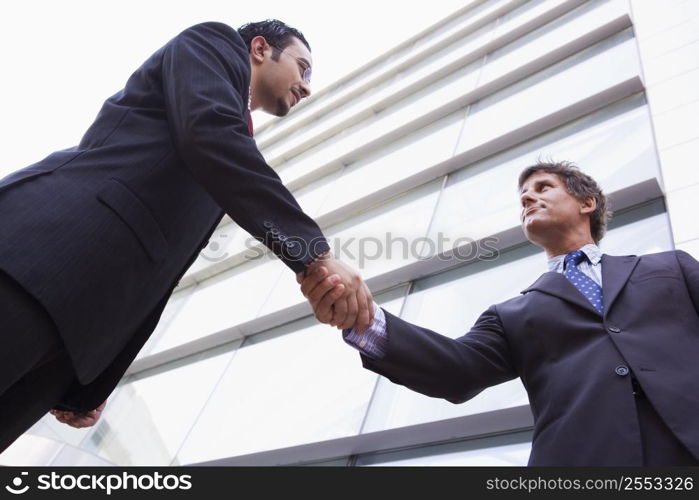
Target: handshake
{"points": [[337, 294]]}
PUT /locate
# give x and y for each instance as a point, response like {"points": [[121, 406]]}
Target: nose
{"points": [[526, 199], [305, 90]]}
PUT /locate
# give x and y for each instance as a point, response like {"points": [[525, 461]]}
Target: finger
{"points": [[324, 310], [73, 422], [340, 307], [87, 422], [352, 309], [323, 287], [313, 279], [82, 421], [370, 302]]}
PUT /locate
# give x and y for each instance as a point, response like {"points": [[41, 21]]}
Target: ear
{"points": [[589, 205], [258, 46]]}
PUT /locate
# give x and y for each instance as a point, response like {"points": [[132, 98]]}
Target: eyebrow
{"points": [[537, 183]]}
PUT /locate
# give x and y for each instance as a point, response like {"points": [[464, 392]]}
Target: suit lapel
{"points": [[556, 284], [615, 274]]}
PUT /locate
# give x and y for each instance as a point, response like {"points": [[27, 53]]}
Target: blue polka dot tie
{"points": [[586, 285]]}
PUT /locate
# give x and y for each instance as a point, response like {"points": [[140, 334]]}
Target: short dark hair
{"points": [[581, 186], [278, 34]]}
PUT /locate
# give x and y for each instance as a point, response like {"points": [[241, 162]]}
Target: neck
{"points": [[561, 243], [253, 103], [565, 247]]}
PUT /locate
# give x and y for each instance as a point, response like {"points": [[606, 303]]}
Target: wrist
{"points": [[325, 256]]}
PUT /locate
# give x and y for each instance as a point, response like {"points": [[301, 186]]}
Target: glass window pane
{"points": [[443, 60], [612, 61], [312, 197], [629, 236], [285, 387], [564, 29], [452, 28], [228, 299], [34, 450], [149, 416], [173, 307], [295, 384], [402, 159]]}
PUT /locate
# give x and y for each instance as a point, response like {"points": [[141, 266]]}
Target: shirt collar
{"points": [[591, 250]]}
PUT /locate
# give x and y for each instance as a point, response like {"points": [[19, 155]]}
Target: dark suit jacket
{"points": [[101, 233], [569, 358]]}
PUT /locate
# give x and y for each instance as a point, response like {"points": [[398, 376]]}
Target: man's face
{"points": [[281, 82], [548, 211]]}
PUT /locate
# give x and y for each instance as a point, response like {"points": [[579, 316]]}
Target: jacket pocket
{"points": [[651, 276], [136, 216]]}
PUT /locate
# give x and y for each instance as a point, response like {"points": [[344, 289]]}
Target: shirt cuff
{"points": [[371, 343]]}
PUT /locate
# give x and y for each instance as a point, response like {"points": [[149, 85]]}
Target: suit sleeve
{"points": [[441, 367], [205, 74], [690, 270]]}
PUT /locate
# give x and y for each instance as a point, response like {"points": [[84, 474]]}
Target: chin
{"points": [[531, 228], [282, 109]]}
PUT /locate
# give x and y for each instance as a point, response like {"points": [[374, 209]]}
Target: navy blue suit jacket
{"points": [[101, 233], [567, 356]]}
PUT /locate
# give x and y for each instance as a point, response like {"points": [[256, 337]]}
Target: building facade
{"points": [[410, 164]]}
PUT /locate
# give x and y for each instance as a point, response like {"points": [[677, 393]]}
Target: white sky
{"points": [[62, 58]]}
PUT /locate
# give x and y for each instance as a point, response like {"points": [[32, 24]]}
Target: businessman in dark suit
{"points": [[606, 347], [96, 237]]}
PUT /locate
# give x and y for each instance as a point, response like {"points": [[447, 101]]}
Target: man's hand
{"points": [[79, 420], [337, 294]]}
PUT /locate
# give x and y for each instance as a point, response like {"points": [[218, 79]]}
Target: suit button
{"points": [[614, 329], [621, 370], [268, 224]]}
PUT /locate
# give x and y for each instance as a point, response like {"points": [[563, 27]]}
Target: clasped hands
{"points": [[337, 294], [79, 420]]}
